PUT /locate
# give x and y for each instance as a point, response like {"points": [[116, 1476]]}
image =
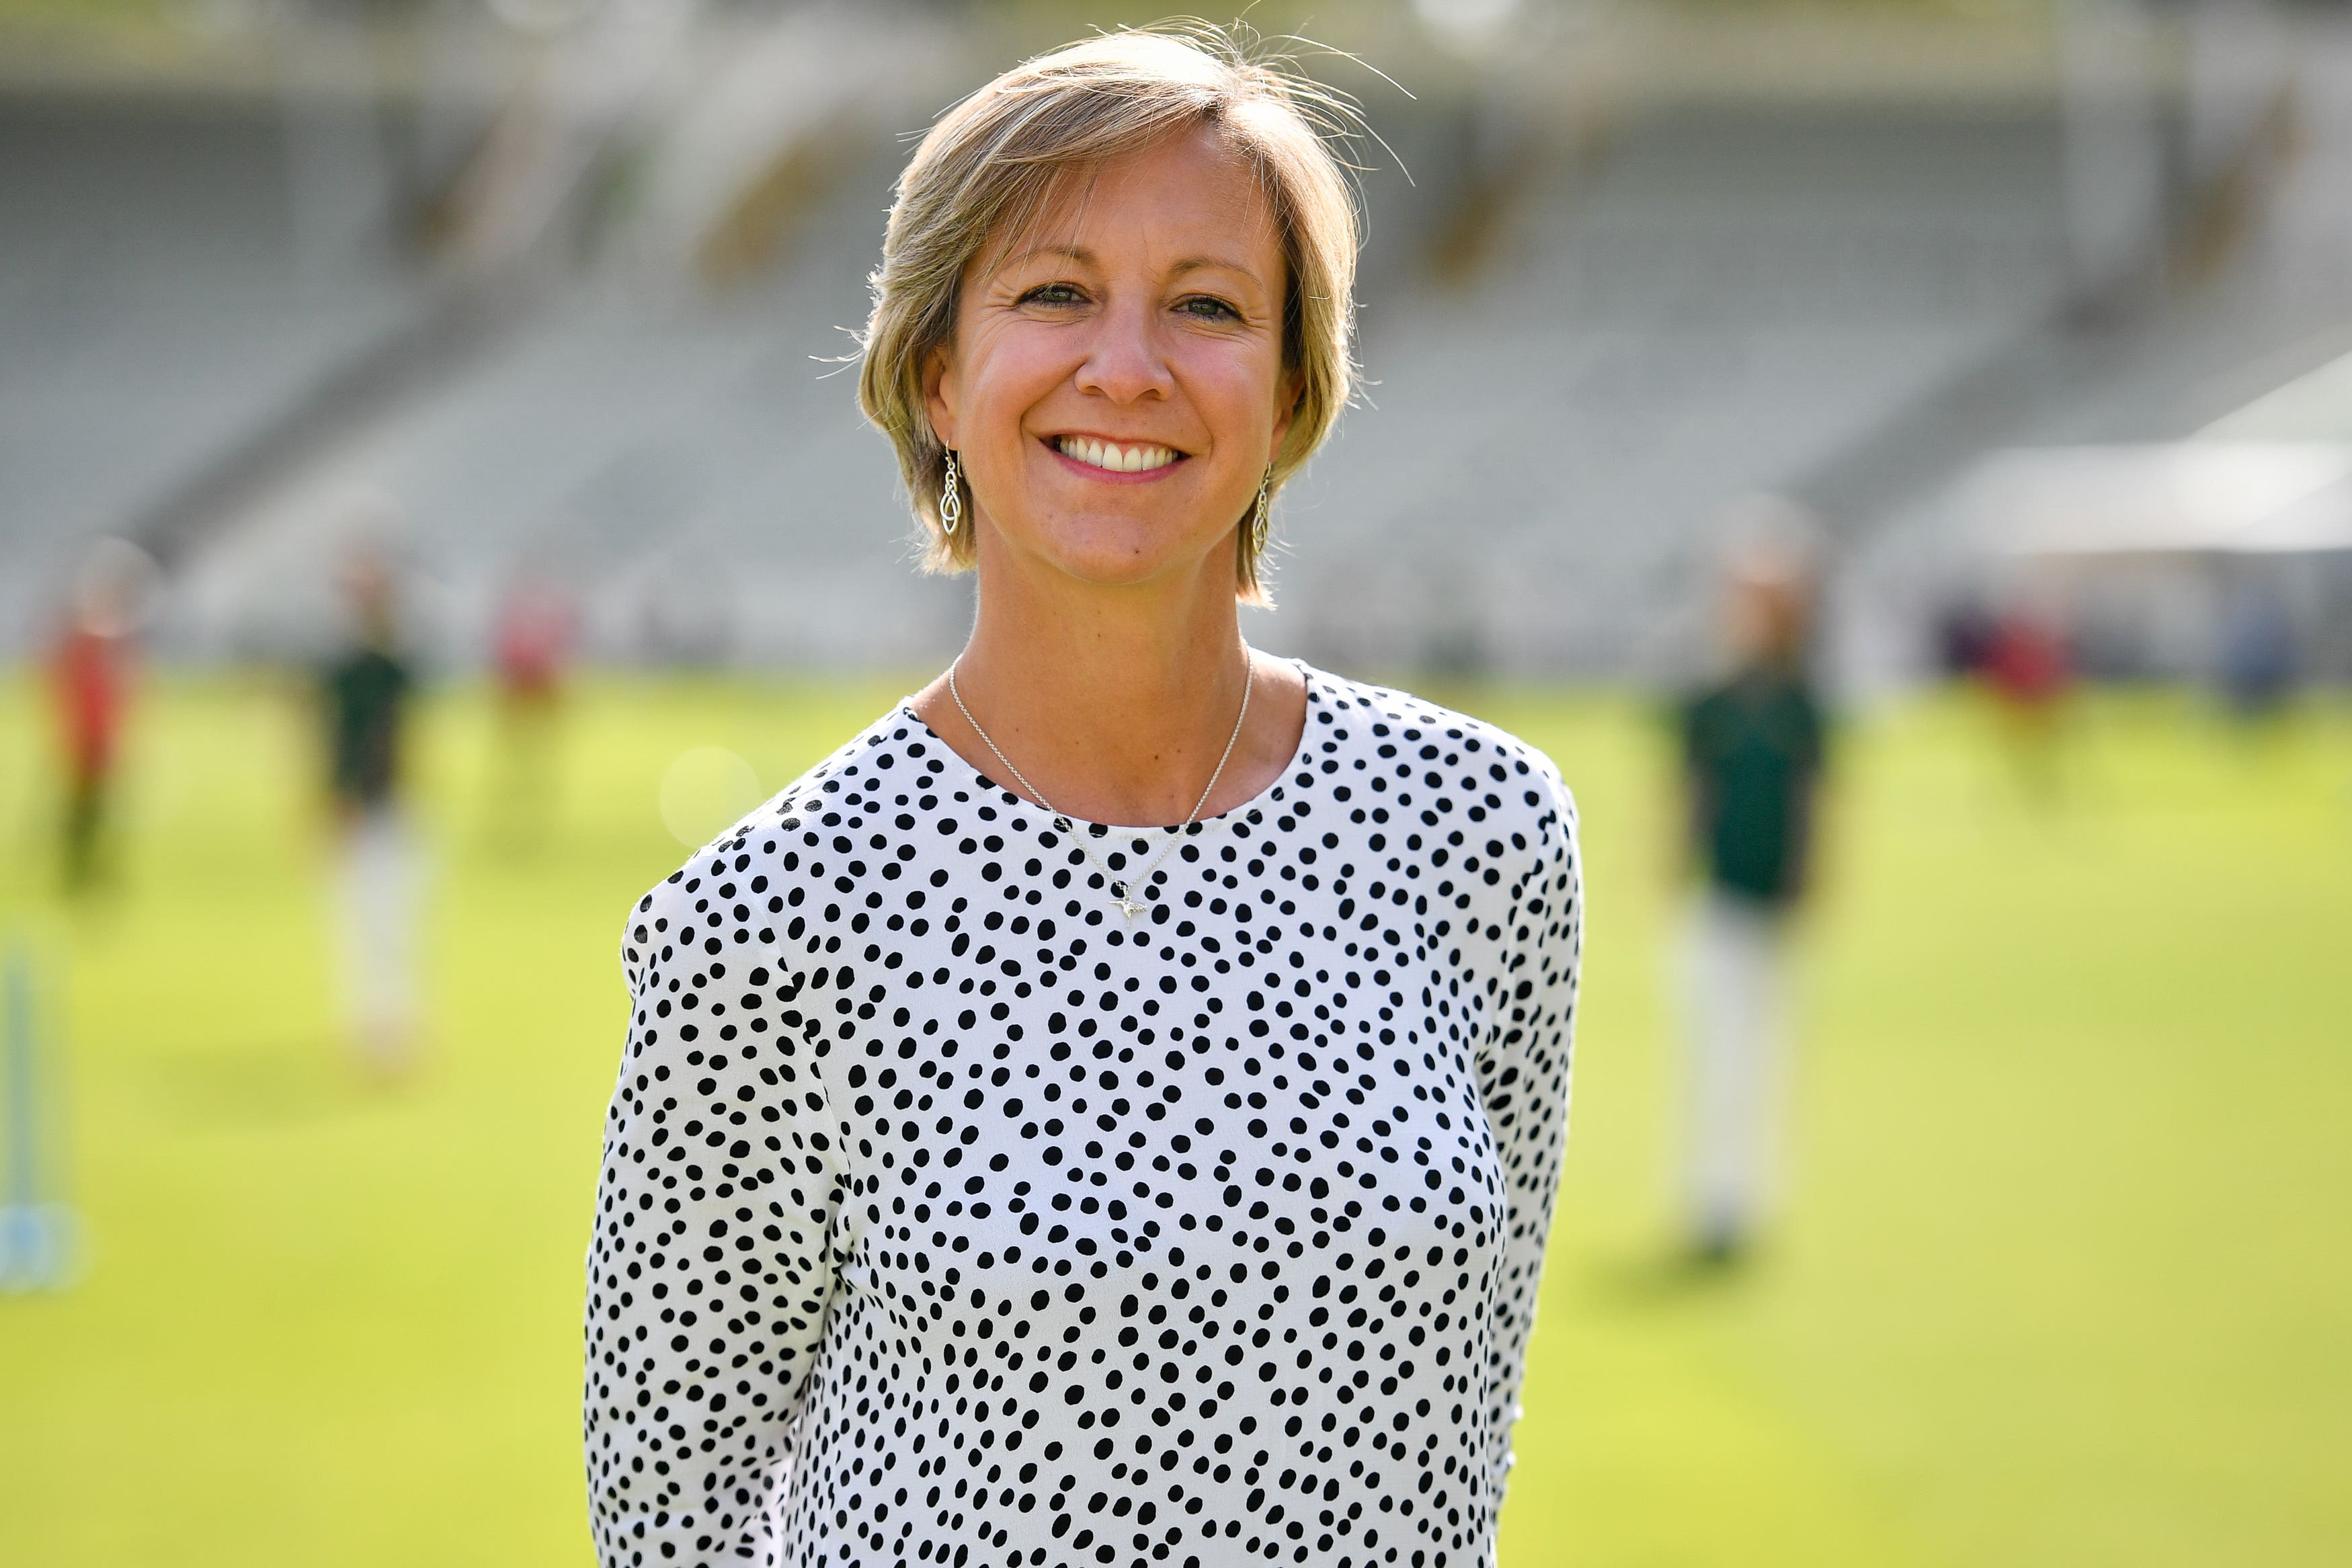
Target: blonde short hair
{"points": [[993, 162]]}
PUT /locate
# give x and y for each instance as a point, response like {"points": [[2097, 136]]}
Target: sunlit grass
{"points": [[2066, 1283]]}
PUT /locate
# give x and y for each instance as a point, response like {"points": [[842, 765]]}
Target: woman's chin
{"points": [[1120, 555]]}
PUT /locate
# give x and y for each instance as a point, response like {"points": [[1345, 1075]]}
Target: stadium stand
{"points": [[1844, 300]]}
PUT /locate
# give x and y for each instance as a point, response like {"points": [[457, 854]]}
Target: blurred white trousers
{"points": [[379, 880], [1736, 992]]}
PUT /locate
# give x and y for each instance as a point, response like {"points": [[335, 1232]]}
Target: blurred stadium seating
{"points": [[1637, 271]]}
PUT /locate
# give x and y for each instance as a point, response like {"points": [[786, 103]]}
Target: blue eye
{"points": [[1052, 294], [1209, 308]]}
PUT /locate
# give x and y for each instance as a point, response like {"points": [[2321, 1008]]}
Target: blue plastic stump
{"points": [[38, 1230]]}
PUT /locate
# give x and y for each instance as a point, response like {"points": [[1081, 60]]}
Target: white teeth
{"points": [[1110, 455]]}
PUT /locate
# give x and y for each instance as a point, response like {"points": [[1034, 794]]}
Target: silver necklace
{"points": [[1124, 891]]}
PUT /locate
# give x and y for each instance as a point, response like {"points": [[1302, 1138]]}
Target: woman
{"points": [[988, 1185]]}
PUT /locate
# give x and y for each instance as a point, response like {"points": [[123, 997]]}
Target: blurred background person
{"points": [[1753, 746], [530, 649], [366, 691], [92, 670], [1963, 637], [2260, 666], [2029, 669]]}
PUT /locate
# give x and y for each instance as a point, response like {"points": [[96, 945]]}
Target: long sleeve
{"points": [[712, 1264], [1523, 1082]]}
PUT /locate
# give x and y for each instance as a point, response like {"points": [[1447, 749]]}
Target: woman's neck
{"points": [[1116, 702]]}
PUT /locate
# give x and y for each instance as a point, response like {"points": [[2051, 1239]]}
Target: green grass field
{"points": [[2068, 1280]]}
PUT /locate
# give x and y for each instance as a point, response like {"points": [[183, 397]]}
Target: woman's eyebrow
{"points": [[1085, 257], [1197, 262], [1076, 253]]}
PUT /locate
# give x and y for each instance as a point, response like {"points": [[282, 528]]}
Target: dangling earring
{"points": [[1264, 522], [951, 499]]}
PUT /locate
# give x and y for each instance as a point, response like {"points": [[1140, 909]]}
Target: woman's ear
{"points": [[1286, 393], [940, 395]]}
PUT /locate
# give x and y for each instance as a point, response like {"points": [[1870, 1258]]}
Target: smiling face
{"points": [[1116, 389]]}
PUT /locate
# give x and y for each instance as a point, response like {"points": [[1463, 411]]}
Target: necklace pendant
{"points": [[1131, 906]]}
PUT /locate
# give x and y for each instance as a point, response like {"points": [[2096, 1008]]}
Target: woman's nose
{"points": [[1124, 360]]}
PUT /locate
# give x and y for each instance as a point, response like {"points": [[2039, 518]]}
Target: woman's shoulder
{"points": [[749, 884], [1400, 743]]}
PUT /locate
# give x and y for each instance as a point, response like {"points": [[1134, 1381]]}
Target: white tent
{"points": [[2187, 498]]}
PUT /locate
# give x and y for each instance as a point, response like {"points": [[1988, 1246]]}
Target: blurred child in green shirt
{"points": [[1752, 752]]}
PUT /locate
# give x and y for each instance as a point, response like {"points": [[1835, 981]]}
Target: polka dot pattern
{"points": [[947, 1217]]}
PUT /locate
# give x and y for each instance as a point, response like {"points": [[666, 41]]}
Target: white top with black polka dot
{"points": [[949, 1217]]}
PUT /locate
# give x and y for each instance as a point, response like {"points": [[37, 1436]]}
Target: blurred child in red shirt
{"points": [[531, 647], [93, 669], [2029, 670]]}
